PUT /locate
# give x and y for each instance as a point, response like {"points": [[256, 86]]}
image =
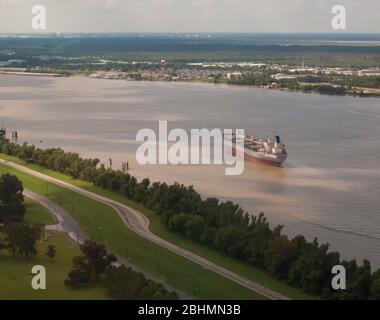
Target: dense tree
{"points": [[375, 286], [194, 227], [10, 189], [279, 256], [91, 265], [358, 281], [125, 284], [77, 278], [12, 212], [11, 199], [122, 283], [22, 238], [177, 222]]}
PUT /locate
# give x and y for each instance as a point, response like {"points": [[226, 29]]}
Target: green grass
{"points": [[175, 270], [156, 227], [215, 256], [36, 213], [15, 276]]}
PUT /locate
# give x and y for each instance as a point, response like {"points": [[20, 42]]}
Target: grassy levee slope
{"points": [[35, 213], [156, 227], [15, 272], [179, 272]]}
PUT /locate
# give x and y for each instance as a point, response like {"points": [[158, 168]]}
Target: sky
{"points": [[363, 16]]}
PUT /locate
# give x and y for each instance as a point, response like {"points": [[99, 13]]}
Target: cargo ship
{"points": [[268, 151]]}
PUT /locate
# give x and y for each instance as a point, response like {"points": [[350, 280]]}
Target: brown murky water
{"points": [[329, 188]]}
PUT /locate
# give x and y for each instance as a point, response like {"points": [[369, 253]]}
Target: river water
{"points": [[329, 187]]}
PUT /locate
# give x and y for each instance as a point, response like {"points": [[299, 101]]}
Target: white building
{"points": [[234, 75], [369, 72]]}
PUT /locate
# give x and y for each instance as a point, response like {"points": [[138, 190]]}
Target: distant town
{"points": [[303, 77]]}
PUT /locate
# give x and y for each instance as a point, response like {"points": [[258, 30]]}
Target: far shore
{"points": [[374, 94]]}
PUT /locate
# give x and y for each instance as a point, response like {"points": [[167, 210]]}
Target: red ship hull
{"points": [[250, 158]]}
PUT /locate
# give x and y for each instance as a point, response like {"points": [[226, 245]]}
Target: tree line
{"points": [[223, 226]]}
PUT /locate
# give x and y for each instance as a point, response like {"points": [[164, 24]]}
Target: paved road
{"points": [[66, 224], [139, 223]]}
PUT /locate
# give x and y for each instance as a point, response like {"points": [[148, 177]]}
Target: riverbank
{"points": [[361, 92], [32, 74], [177, 271], [156, 226]]}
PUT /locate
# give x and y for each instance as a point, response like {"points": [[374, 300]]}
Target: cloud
{"points": [[191, 15]]}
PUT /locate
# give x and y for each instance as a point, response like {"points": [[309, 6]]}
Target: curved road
{"points": [[139, 223], [68, 225]]}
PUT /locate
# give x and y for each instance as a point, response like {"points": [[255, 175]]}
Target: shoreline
{"points": [[197, 81], [33, 74]]}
